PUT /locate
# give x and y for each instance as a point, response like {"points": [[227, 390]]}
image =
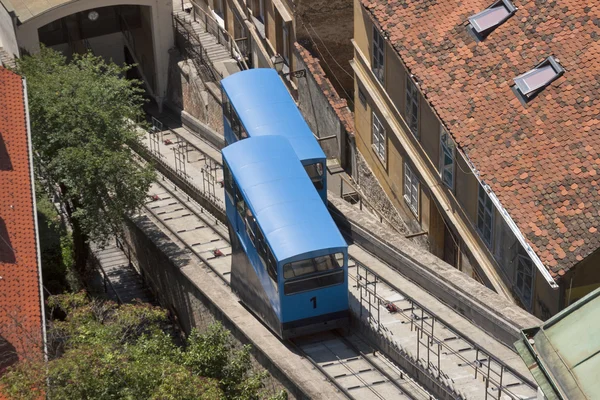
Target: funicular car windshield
{"points": [[313, 273]]}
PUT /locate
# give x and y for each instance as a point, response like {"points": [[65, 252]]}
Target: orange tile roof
{"points": [[20, 305], [541, 160]]}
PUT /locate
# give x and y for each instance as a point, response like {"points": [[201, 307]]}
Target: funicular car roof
{"points": [[266, 108], [281, 196]]}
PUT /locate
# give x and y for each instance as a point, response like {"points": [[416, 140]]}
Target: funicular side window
{"points": [[236, 126], [226, 106], [240, 205], [313, 273], [264, 253], [228, 181], [251, 227]]}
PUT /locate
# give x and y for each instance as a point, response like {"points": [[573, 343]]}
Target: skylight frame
{"points": [[525, 90], [484, 31]]}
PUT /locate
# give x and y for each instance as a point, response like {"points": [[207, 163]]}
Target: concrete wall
{"points": [[8, 39], [188, 92], [110, 47], [315, 106]]}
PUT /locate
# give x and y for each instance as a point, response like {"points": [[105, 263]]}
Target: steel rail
{"points": [[338, 336], [182, 240]]}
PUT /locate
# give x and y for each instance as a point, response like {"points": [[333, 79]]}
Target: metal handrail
{"points": [[220, 33], [194, 49], [477, 364]]}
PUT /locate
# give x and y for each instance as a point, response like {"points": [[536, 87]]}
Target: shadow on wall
{"points": [[5, 164], [7, 253]]}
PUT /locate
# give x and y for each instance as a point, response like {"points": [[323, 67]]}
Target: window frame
{"points": [[362, 98], [228, 182], [482, 32], [378, 55], [412, 101], [482, 211], [285, 42], [524, 269], [445, 150], [520, 81], [379, 139], [410, 191]]}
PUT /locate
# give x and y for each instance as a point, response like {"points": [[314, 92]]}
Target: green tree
{"points": [[82, 118], [99, 350]]}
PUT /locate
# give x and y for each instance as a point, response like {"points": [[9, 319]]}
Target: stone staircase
{"points": [[218, 53], [6, 60], [126, 284]]}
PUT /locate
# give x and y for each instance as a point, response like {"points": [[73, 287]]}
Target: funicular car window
{"points": [[313, 273], [264, 252], [312, 265], [228, 181], [237, 127], [251, 226], [271, 265], [240, 204], [315, 172]]}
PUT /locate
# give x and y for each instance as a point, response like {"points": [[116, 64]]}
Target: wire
{"points": [[326, 63], [324, 45]]}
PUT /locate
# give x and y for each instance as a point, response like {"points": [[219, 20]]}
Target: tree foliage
{"points": [[82, 118], [99, 350]]}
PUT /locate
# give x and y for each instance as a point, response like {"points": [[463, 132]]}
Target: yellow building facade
{"points": [[432, 183]]}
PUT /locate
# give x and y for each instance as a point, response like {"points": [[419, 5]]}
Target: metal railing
{"points": [[424, 323], [238, 48], [193, 50]]}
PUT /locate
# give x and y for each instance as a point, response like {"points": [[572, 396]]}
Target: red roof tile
{"points": [[542, 159], [20, 305]]}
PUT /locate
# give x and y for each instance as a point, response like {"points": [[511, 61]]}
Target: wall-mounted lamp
{"points": [[279, 62]]}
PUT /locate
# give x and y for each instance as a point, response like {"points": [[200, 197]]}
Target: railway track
{"points": [[193, 227], [206, 238], [357, 369], [433, 344]]}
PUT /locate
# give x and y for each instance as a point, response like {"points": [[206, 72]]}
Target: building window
{"points": [[286, 44], [411, 189], [362, 98], [485, 216], [524, 278], [378, 52], [447, 158], [378, 137], [412, 106], [261, 10]]}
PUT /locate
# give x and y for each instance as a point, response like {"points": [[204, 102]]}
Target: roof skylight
{"points": [[485, 21], [531, 82]]}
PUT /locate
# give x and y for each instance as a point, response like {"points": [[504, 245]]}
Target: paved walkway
{"points": [[193, 158], [125, 284], [457, 355]]}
